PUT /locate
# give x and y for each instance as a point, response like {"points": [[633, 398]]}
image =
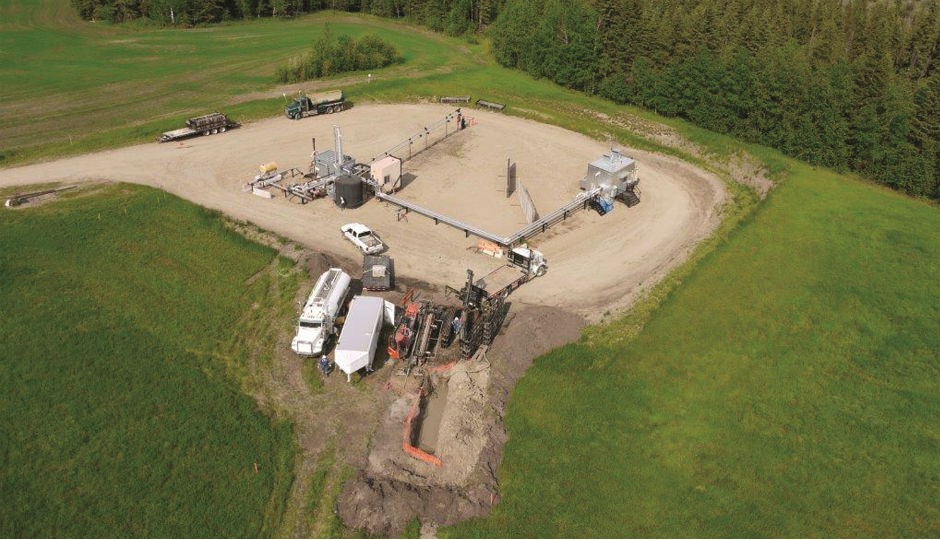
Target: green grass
{"points": [[69, 86], [789, 387], [783, 382], [121, 414]]}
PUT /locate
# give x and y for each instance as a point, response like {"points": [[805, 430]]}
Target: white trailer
{"points": [[317, 318], [360, 336]]}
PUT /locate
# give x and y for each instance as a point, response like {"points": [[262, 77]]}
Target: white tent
{"points": [[360, 335]]}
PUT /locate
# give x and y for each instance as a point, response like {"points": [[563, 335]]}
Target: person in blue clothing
{"points": [[325, 366]]}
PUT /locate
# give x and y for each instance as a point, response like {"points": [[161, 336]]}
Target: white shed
{"points": [[360, 336], [387, 172]]}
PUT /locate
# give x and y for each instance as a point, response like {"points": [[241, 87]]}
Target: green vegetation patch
{"points": [[331, 55], [121, 415], [790, 387]]}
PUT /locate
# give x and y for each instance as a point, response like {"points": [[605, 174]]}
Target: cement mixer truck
{"points": [[316, 323], [305, 105]]}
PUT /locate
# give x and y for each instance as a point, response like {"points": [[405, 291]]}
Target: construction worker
{"points": [[325, 366], [455, 326]]}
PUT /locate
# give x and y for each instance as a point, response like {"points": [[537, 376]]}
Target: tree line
{"points": [[849, 84], [846, 84], [455, 17]]}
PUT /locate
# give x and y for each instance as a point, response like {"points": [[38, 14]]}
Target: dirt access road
{"points": [[597, 264]]}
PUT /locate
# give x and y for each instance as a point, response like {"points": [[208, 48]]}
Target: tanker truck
{"points": [[316, 323]]}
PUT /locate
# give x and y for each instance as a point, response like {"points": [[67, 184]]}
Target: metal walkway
{"points": [[580, 202]]}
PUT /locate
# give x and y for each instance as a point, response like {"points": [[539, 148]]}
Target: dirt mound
{"points": [[379, 505]]}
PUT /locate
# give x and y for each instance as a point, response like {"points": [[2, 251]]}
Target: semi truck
{"points": [[208, 124], [305, 104], [317, 319]]}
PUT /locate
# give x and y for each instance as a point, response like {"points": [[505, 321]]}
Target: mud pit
{"points": [[597, 265]]}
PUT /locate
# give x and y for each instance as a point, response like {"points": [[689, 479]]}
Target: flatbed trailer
{"points": [[502, 281], [208, 124]]}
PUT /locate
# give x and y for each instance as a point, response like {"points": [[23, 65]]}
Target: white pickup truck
{"points": [[363, 238]]}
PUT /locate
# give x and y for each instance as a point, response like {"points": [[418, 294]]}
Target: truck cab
{"points": [[310, 337], [530, 260]]}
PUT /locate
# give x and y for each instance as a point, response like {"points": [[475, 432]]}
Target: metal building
{"points": [[613, 169]]}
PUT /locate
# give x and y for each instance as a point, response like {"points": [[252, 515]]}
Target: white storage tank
{"points": [[360, 336]]}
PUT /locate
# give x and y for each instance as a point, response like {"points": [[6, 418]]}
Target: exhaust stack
{"points": [[338, 137]]}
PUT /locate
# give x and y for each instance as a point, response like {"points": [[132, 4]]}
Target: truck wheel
{"points": [[214, 131], [204, 133], [329, 110], [222, 129]]}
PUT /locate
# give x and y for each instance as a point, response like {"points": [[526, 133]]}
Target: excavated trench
{"points": [[428, 425]]}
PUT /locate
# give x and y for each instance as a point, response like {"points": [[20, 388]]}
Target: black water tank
{"points": [[349, 191]]}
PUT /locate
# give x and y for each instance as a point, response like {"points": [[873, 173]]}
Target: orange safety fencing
{"points": [[442, 368]]}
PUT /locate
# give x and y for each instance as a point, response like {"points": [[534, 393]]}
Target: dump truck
{"points": [[208, 124], [378, 272], [317, 320], [305, 104]]}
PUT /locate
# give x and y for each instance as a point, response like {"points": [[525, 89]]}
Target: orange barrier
{"points": [[442, 367], [406, 445]]}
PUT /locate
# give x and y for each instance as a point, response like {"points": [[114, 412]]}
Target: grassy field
{"points": [[121, 406], [786, 382], [67, 86], [789, 388]]}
